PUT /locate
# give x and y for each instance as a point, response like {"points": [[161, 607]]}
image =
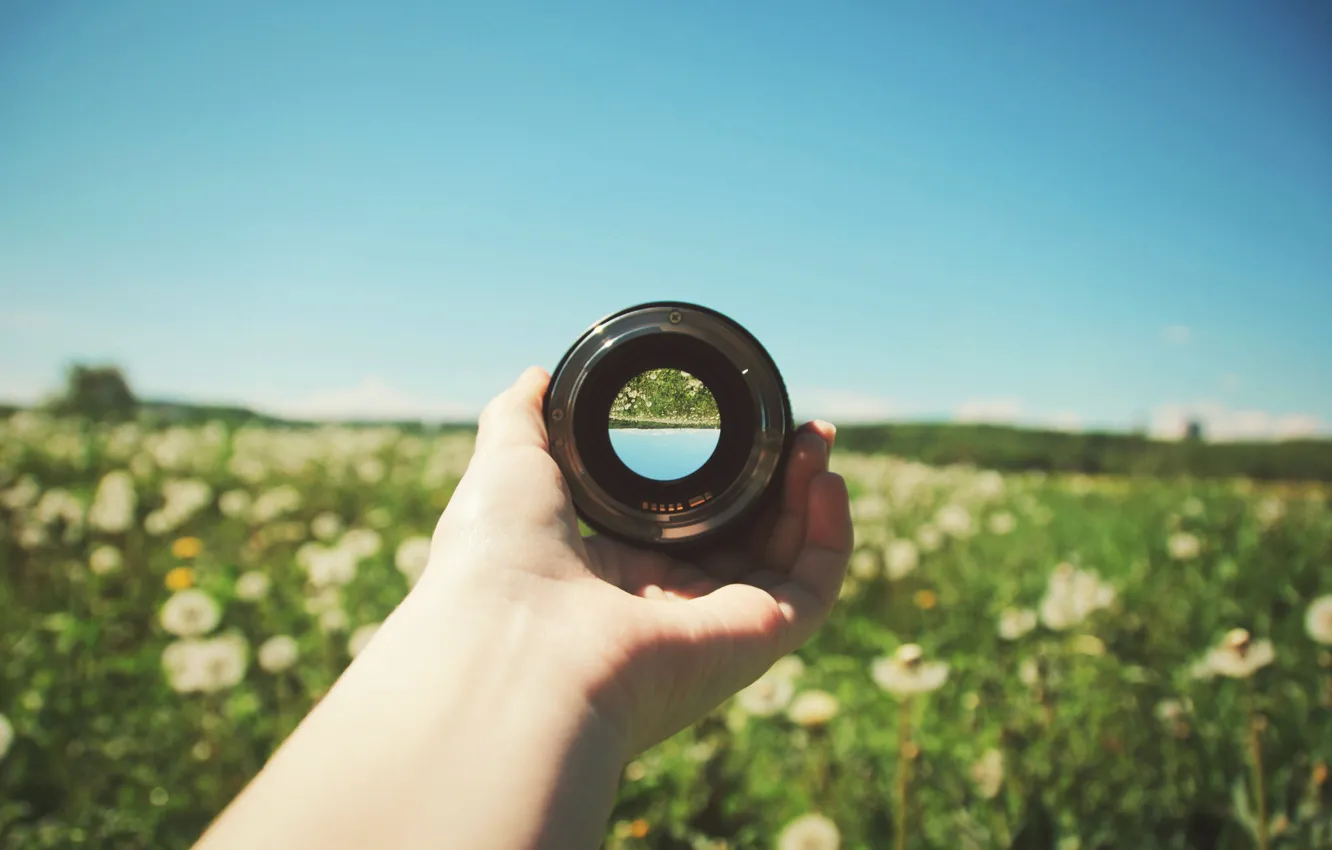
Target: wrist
{"points": [[512, 706]]}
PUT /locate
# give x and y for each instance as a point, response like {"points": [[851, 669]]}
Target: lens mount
{"points": [[743, 470]]}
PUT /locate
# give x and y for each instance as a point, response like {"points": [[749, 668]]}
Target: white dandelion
{"points": [[955, 521], [864, 565], [813, 708], [906, 672], [1072, 595], [411, 557], [1238, 656], [271, 504], [900, 558], [767, 696], [1171, 710], [334, 620], [6, 735], [327, 567], [1016, 622], [22, 495], [1029, 672], [278, 653], [326, 526], [114, 503], [1269, 511], [988, 774], [1318, 619], [1183, 546], [869, 507], [773, 690], [787, 667], [361, 542], [234, 503], [371, 470], [810, 832], [929, 537], [189, 613], [157, 523], [207, 665], [252, 586], [224, 662], [323, 599], [105, 560], [1001, 523]]}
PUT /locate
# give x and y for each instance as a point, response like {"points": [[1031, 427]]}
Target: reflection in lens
{"points": [[664, 424]]}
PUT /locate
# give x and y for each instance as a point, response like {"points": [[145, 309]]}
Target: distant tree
{"points": [[1194, 434], [97, 392]]}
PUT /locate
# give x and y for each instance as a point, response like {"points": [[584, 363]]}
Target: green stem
{"points": [[1259, 785], [903, 770]]}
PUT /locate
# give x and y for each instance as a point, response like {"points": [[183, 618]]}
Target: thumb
{"points": [[514, 417], [760, 624]]}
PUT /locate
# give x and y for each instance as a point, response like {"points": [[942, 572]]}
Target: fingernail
{"points": [[832, 431]]}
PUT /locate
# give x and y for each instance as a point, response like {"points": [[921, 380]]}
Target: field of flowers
{"points": [[1018, 660]]}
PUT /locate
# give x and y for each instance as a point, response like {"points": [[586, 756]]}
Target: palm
{"points": [[705, 626], [678, 635]]}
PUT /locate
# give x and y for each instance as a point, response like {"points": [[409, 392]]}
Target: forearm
{"points": [[450, 730]]}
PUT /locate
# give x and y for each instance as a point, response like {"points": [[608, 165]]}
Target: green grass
{"points": [[106, 754]]}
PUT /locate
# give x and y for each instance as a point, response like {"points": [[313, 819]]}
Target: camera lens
{"points": [[670, 423]]}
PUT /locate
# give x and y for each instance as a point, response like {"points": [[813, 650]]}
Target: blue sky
{"points": [[1103, 215]]}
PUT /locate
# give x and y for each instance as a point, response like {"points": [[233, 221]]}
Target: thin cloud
{"points": [[1178, 334], [373, 398], [1003, 409], [1220, 423], [845, 406], [1064, 420]]}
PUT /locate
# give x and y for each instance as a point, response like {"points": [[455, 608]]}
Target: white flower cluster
{"points": [[190, 613], [772, 691], [274, 503], [195, 663], [104, 560], [1237, 656], [1183, 546], [205, 664], [59, 506], [813, 709], [183, 499], [810, 832], [906, 672], [1072, 595], [1016, 622], [278, 653], [114, 503]]}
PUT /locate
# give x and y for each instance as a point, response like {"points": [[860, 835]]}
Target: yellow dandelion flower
{"points": [[180, 578], [187, 547], [925, 599], [639, 828]]}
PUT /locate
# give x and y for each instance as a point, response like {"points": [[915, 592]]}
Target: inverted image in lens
{"points": [[664, 424]]}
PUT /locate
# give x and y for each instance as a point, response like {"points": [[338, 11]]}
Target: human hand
{"points": [[650, 642]]}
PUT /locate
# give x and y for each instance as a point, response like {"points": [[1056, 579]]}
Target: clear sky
{"points": [[1105, 214]]}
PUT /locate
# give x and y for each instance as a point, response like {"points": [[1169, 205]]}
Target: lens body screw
{"points": [[557, 414], [675, 317]]}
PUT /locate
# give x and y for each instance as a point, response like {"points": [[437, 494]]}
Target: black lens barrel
{"points": [[756, 427]]}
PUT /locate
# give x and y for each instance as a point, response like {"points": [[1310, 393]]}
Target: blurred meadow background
{"points": [[1060, 275]]}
